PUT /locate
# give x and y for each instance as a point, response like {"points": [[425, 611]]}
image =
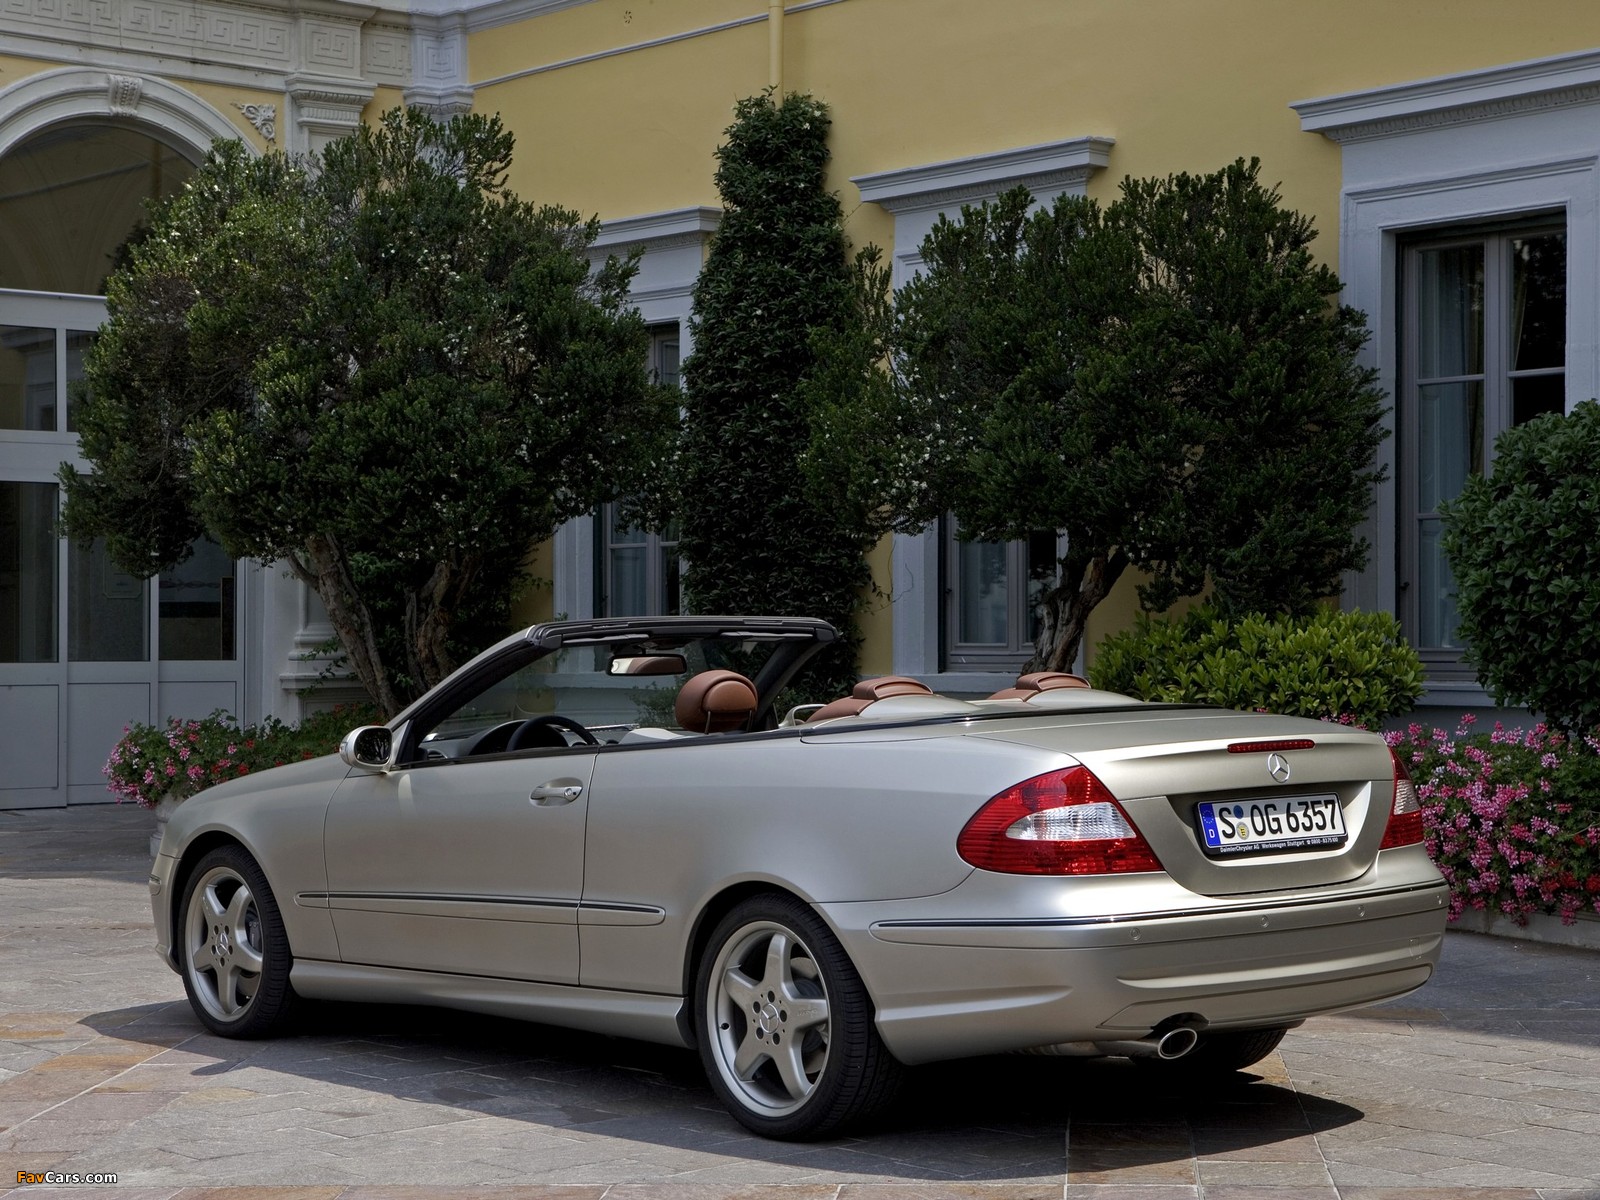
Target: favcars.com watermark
{"points": [[91, 1178]]}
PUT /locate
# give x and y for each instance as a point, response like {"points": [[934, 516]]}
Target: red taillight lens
{"points": [[1405, 814], [1060, 823]]}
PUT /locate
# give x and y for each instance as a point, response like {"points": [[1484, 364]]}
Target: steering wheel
{"points": [[524, 731]]}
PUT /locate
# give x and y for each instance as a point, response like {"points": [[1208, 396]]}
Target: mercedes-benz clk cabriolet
{"points": [[610, 825]]}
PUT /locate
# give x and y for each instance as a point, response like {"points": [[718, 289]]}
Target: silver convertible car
{"points": [[609, 825]]}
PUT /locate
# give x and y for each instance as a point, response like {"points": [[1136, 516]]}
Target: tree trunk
{"points": [[428, 616], [328, 572], [1064, 615]]}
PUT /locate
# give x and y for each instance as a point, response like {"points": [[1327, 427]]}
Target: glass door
{"points": [[85, 648]]}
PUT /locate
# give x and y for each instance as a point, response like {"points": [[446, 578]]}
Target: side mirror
{"points": [[648, 664], [368, 748]]}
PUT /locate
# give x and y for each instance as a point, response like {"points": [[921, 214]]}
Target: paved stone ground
{"points": [[1483, 1086]]}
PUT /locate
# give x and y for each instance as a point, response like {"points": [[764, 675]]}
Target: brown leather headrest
{"points": [[889, 685], [867, 692], [1030, 685], [715, 702]]}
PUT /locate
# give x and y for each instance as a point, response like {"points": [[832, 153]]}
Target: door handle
{"points": [[553, 794]]}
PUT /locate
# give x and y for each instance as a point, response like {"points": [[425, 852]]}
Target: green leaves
{"points": [[1348, 666], [380, 367], [1168, 380], [759, 536], [1524, 550]]}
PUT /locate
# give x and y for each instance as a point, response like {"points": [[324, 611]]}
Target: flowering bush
{"points": [[1512, 816], [151, 762]]}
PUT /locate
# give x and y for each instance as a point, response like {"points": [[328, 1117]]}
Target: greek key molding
{"points": [[386, 54], [223, 31], [254, 45]]}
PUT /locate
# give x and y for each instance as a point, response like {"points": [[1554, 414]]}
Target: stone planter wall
{"points": [[1585, 934]]}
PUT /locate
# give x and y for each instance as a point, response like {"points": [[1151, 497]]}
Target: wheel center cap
{"points": [[224, 943], [769, 1018]]}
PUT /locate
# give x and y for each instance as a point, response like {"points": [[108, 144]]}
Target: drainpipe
{"points": [[775, 47]]}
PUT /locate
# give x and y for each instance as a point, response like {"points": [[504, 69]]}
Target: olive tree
{"points": [[1169, 381], [376, 366]]}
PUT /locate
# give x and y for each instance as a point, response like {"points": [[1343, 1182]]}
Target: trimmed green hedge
{"points": [[1347, 666]]}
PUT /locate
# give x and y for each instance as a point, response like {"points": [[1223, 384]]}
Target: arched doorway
{"points": [[84, 648]]}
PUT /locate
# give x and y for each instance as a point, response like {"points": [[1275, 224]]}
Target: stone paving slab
{"points": [[1483, 1086]]}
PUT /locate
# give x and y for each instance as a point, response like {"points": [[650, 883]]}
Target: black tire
{"points": [[834, 1070], [1221, 1052], [233, 952]]}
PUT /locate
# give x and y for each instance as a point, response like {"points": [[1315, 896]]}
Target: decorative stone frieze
{"points": [[341, 48], [438, 67]]}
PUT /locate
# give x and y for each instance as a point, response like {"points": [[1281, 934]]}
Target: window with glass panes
{"points": [[992, 593], [1483, 348], [640, 573]]}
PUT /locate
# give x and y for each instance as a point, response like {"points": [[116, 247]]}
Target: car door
{"points": [[471, 866]]}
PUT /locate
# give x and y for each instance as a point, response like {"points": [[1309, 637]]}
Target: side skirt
{"points": [[648, 1017]]}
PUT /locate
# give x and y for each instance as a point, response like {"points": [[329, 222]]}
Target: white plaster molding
{"points": [[201, 30], [660, 230], [386, 53], [674, 243], [918, 196], [123, 93], [264, 117], [1450, 100], [72, 93], [1470, 149], [262, 45], [1048, 167], [323, 109], [438, 53]]}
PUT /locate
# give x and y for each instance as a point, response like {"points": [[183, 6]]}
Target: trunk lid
{"points": [[1162, 764]]}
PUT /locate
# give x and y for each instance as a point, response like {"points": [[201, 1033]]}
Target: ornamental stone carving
{"points": [[123, 92], [263, 117]]}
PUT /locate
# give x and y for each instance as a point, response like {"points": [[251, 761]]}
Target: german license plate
{"points": [[1261, 826]]}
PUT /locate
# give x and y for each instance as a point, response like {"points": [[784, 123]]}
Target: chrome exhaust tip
{"points": [[1174, 1043]]}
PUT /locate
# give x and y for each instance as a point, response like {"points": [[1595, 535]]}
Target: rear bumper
{"points": [[948, 986]]}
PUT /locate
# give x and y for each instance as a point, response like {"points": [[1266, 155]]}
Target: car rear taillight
{"points": [[1405, 814], [1060, 823]]}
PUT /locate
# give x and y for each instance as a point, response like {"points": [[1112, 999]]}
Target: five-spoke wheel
{"points": [[235, 953], [785, 1024]]}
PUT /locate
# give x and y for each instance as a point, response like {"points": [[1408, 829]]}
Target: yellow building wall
{"points": [[628, 100]]}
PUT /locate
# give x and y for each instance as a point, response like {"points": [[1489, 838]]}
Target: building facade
{"points": [[1450, 157]]}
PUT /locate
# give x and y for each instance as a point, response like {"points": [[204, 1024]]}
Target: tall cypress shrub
{"points": [[755, 539]]}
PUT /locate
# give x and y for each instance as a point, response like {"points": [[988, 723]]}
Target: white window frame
{"points": [[675, 245], [1475, 148], [1496, 379], [917, 197], [666, 360]]}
